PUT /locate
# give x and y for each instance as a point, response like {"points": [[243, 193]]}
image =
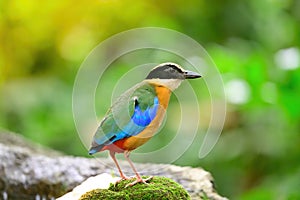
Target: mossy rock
{"points": [[159, 188]]}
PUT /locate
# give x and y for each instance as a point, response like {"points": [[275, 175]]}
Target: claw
{"points": [[121, 179], [139, 180]]}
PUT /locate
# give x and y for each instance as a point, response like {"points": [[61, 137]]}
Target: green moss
{"points": [[103, 194], [159, 188]]}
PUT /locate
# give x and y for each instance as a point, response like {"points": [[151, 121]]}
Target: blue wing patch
{"points": [[144, 118]]}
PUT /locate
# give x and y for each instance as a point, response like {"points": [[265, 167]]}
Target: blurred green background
{"points": [[255, 45]]}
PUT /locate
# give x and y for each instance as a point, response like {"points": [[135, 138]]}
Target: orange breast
{"points": [[163, 95]]}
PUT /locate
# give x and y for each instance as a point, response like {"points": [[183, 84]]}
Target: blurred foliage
{"points": [[255, 45]]}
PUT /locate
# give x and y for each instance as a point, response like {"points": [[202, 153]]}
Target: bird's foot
{"points": [[123, 178], [139, 180]]}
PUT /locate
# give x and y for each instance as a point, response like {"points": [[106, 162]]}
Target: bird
{"points": [[137, 114]]}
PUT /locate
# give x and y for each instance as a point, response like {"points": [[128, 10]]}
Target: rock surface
{"points": [[29, 171], [101, 181]]}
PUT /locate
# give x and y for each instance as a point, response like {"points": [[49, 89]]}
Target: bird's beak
{"points": [[191, 75]]}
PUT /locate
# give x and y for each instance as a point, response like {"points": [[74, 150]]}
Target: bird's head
{"points": [[170, 75]]}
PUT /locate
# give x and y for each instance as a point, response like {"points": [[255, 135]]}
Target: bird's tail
{"points": [[95, 148]]}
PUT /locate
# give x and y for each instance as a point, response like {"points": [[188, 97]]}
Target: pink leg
{"points": [[138, 177], [112, 155]]}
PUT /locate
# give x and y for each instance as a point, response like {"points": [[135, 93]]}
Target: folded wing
{"points": [[130, 114]]}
